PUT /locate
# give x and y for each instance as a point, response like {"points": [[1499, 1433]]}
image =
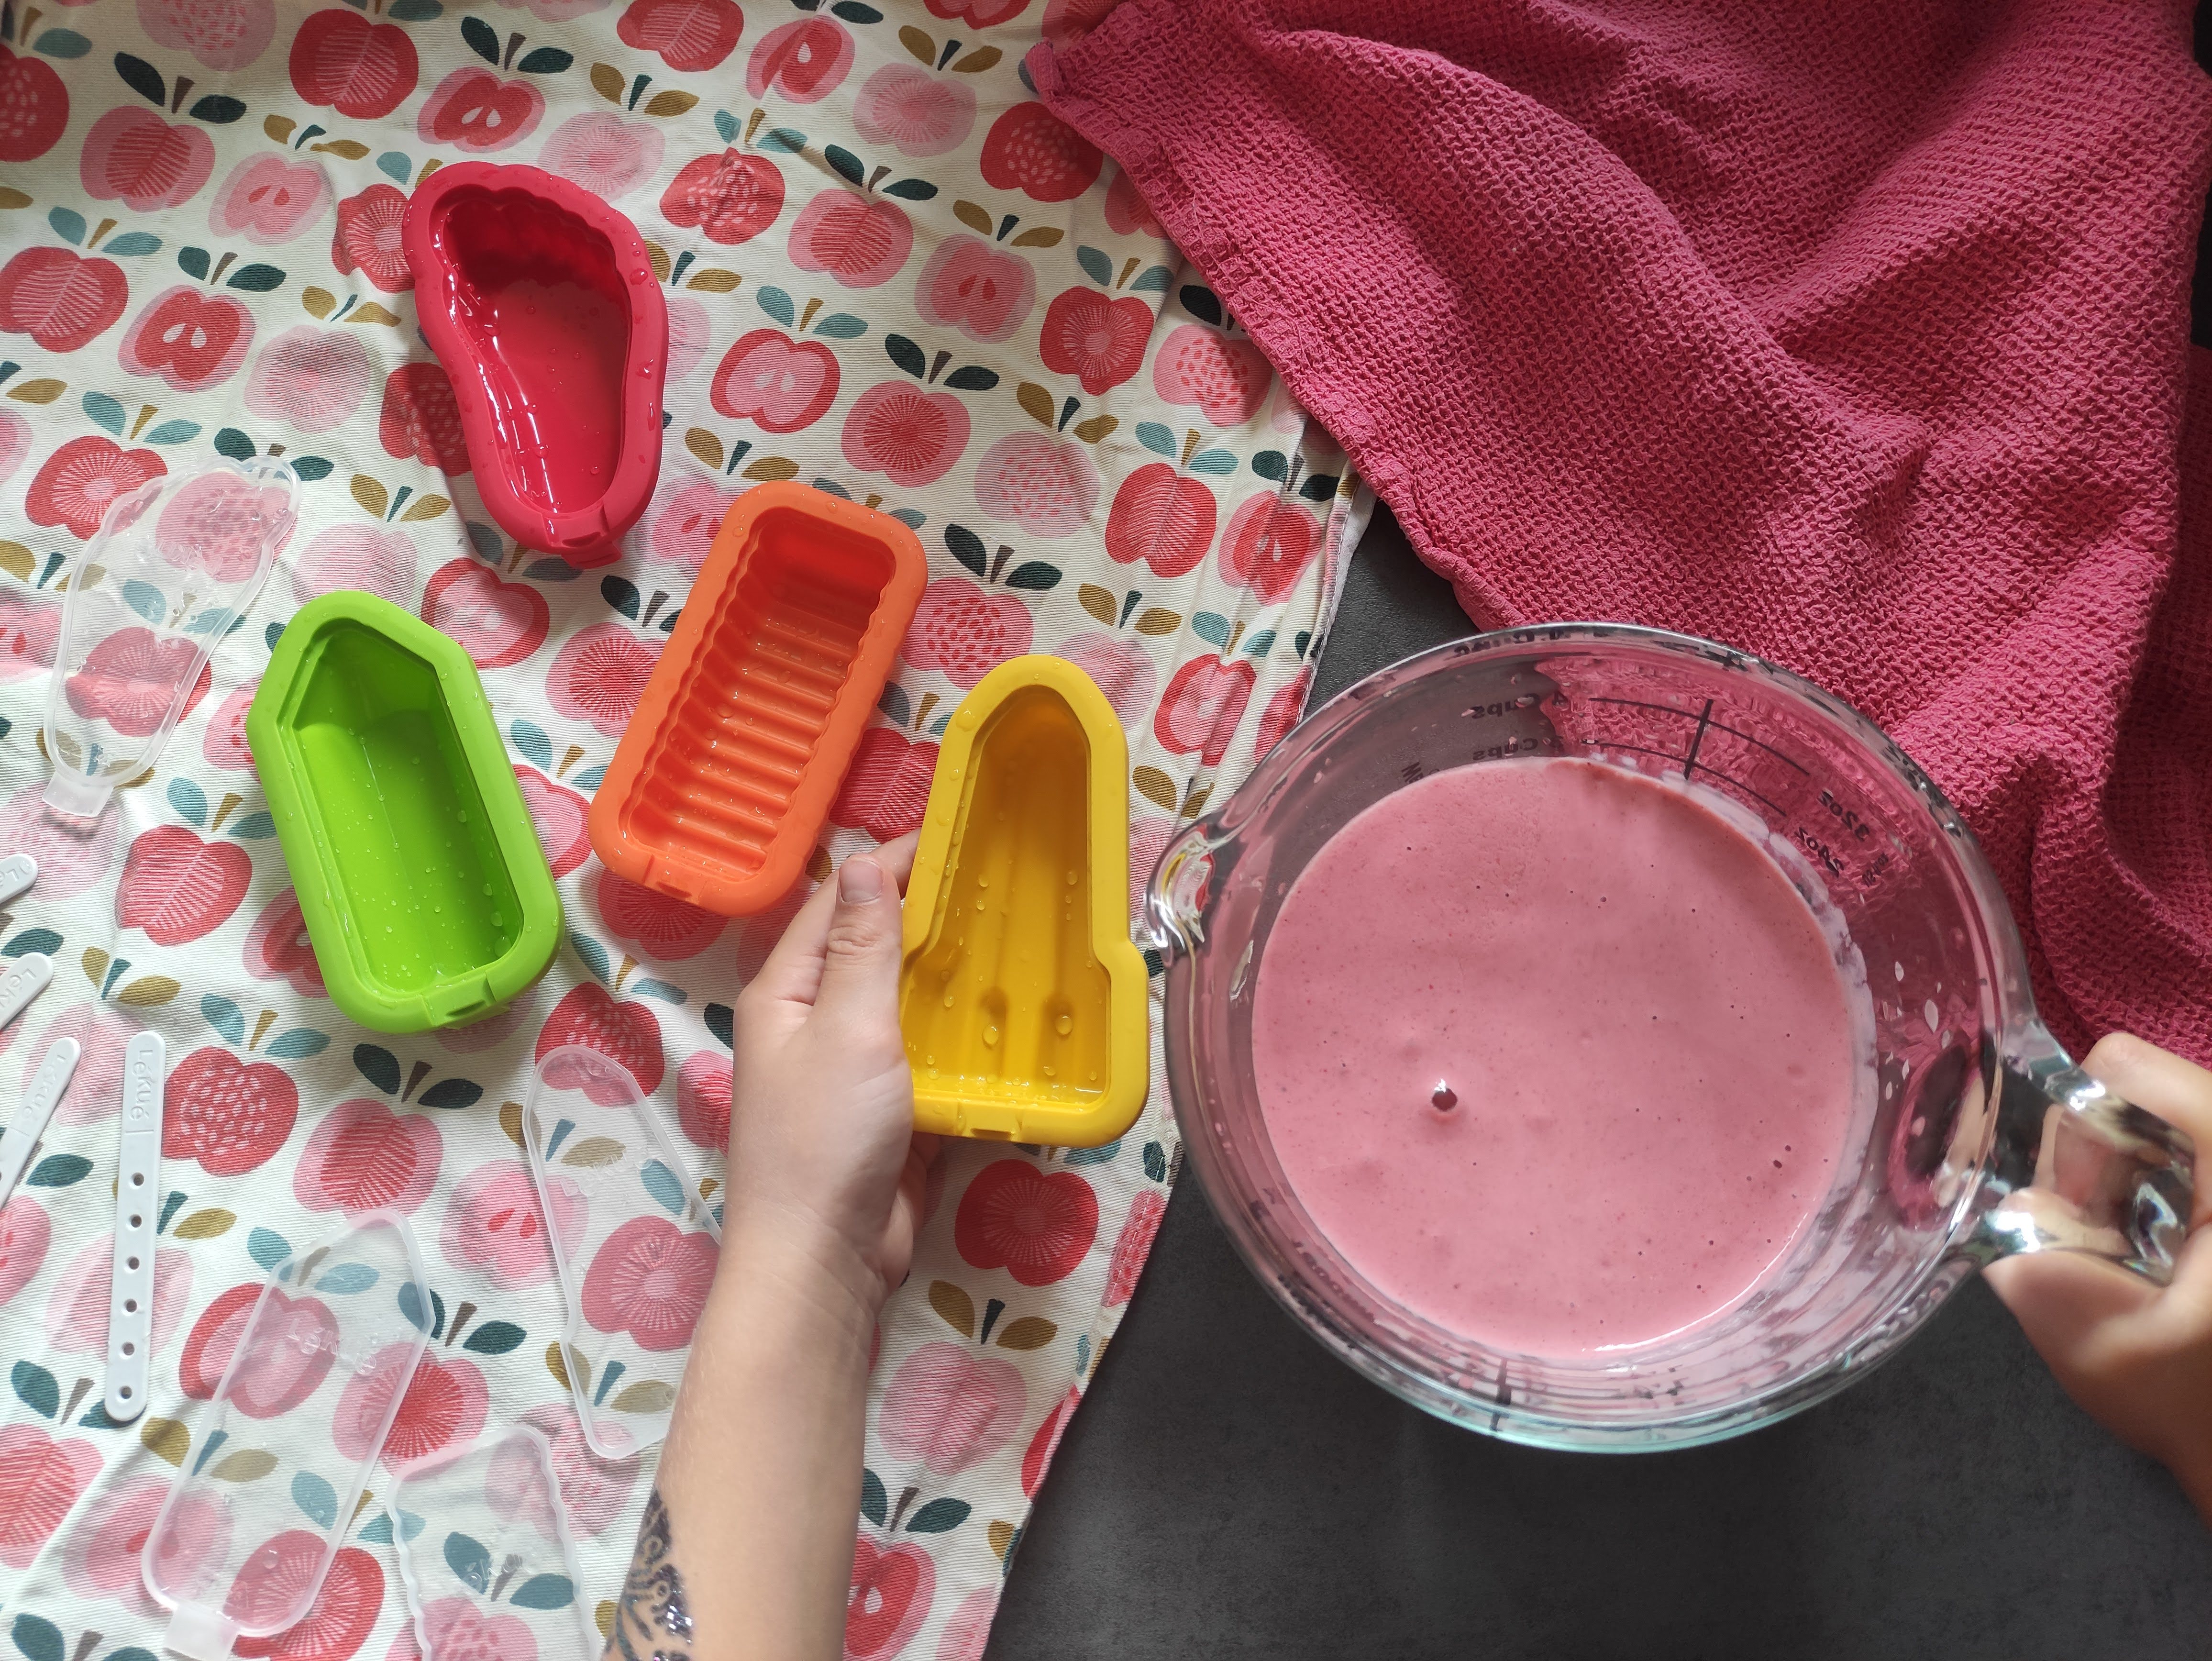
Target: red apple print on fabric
{"points": [[72, 855], [493, 1225], [367, 237], [363, 1156], [445, 1406], [269, 200], [599, 674], [950, 1407], [1128, 213], [1268, 545], [779, 384], [294, 1346], [497, 622], [278, 948], [1162, 518], [562, 818], [1226, 379], [33, 106], [1282, 713], [129, 680], [665, 929], [214, 1338], [356, 556], [626, 1032], [1045, 484], [596, 1491], [133, 156], [1204, 702], [1120, 667], [178, 887], [29, 629], [421, 419], [964, 630], [684, 527], [803, 61], [223, 35], [312, 379], [887, 787], [336, 1625], [978, 13], [341, 61], [81, 477], [59, 299], [456, 1626], [917, 113], [967, 1628], [479, 111], [607, 155], [858, 240], [731, 197], [224, 744], [230, 1115], [76, 1308], [188, 338], [910, 435], [1099, 340], [702, 1099], [1034, 1224], [26, 1232], [650, 1280], [1066, 21], [889, 1598], [1030, 149], [40, 1479], [986, 293], [1134, 1245], [1046, 1442], [690, 36]]}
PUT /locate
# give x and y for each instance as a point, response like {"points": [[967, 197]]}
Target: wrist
{"points": [[784, 1257]]}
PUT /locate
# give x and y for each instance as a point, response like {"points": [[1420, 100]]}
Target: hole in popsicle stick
{"points": [[1444, 1098], [125, 1392], [132, 1264], [129, 1306], [137, 1222], [129, 1349], [138, 1180]]}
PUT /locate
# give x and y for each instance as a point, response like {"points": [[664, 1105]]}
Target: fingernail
{"points": [[860, 880]]}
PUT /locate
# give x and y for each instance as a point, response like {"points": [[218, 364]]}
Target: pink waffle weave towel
{"points": [[1853, 334]]}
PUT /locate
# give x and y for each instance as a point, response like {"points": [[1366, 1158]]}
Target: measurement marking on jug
{"points": [[1710, 770], [1704, 721]]}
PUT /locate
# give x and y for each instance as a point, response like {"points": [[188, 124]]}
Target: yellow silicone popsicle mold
{"points": [[1023, 1002]]}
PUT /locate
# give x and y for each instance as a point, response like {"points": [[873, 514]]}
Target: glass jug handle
{"points": [[1181, 884], [2076, 1167]]}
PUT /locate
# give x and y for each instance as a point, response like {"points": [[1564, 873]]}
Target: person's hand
{"points": [[2138, 1358], [824, 1160]]}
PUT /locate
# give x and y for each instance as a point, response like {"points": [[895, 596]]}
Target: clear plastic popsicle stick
{"points": [[138, 1185], [23, 981], [314, 1377], [17, 873], [486, 1557], [39, 1100], [634, 1247], [174, 564]]}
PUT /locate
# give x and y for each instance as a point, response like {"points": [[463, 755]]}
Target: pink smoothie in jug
{"points": [[1555, 1055]]}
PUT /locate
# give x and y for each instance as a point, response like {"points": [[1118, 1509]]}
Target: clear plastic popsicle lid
{"points": [[635, 1246], [486, 1557], [174, 565], [315, 1376]]}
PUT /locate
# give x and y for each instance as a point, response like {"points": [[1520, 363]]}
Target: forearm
{"points": [[759, 1482]]}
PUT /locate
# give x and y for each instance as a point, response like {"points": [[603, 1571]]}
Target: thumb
{"points": [[860, 956]]}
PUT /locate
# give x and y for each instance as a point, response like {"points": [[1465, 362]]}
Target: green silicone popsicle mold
{"points": [[418, 871]]}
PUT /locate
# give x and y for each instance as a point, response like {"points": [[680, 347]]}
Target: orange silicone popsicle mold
{"points": [[723, 779]]}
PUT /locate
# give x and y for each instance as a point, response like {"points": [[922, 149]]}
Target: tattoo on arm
{"points": [[653, 1620]]}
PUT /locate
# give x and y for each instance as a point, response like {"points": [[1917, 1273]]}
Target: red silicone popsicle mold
{"points": [[538, 298], [722, 781]]}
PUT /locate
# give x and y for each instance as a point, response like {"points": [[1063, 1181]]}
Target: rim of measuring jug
{"points": [[1176, 904]]}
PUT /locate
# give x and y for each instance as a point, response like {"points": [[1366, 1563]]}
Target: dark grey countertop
{"points": [[1230, 1490]]}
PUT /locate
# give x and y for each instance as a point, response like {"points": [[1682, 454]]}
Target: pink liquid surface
{"points": [[1648, 1041]]}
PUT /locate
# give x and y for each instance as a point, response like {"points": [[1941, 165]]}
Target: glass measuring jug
{"points": [[1979, 1137]]}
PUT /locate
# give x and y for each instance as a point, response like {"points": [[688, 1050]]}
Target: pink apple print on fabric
{"points": [[40, 1478], [269, 200], [221, 524], [492, 1224], [456, 1626], [1121, 669], [1134, 1244], [558, 11], [779, 384], [683, 527], [918, 113], [910, 435], [129, 679], [1227, 379], [72, 855], [1045, 484], [133, 156], [278, 949], [860, 241], [595, 1490], [983, 291], [76, 1308], [599, 675], [367, 238], [563, 820], [15, 443], [26, 1232], [95, 1091], [967, 1628], [691, 332], [223, 35], [29, 631], [363, 1156], [607, 155], [223, 744], [309, 378], [649, 1278], [188, 338], [664, 928], [950, 1407], [357, 557], [100, 1556]]}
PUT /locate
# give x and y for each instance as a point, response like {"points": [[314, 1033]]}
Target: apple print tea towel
{"points": [[1851, 334], [890, 273]]}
